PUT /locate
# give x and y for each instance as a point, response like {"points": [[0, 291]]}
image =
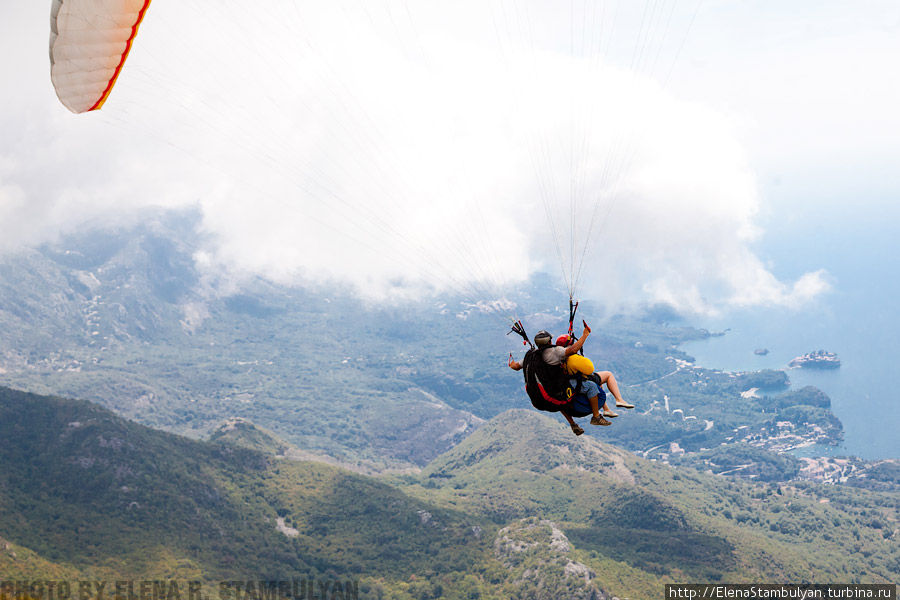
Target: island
{"points": [[819, 359], [761, 351]]}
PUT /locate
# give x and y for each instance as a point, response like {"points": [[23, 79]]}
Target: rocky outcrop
{"points": [[539, 556]]}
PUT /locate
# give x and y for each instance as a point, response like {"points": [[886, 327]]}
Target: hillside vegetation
{"points": [[88, 492], [518, 510], [643, 522]]}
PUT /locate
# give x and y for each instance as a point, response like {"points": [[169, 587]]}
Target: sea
{"points": [[858, 319]]}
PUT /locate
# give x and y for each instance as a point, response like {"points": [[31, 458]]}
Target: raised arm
{"points": [[570, 350]]}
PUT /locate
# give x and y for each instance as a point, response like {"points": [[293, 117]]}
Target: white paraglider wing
{"points": [[89, 42]]}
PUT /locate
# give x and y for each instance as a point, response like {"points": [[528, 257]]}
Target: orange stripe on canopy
{"points": [[89, 43], [112, 82]]}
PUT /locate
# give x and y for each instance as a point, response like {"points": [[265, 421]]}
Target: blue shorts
{"points": [[588, 387], [581, 406]]}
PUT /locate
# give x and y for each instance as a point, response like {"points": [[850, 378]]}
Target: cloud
{"points": [[401, 156]]}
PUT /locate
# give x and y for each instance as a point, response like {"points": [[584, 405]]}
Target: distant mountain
{"points": [[124, 317]]}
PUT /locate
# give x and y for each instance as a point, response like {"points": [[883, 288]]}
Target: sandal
{"points": [[576, 429], [599, 421]]}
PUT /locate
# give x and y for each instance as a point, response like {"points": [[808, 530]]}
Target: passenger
{"points": [[578, 364]]}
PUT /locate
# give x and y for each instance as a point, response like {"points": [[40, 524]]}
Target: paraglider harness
{"points": [[548, 386]]}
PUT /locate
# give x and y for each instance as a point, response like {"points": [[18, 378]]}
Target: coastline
{"points": [[788, 338]]}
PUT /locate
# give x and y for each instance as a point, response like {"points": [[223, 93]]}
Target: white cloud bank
{"points": [[397, 157]]}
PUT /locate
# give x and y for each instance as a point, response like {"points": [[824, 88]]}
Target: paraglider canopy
{"points": [[89, 42]]}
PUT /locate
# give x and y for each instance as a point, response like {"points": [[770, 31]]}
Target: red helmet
{"points": [[564, 340]]}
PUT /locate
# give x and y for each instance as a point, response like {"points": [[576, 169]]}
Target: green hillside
{"points": [[520, 509], [87, 491], [86, 494], [18, 563], [641, 522]]}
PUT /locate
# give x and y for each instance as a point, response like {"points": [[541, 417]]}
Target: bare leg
{"points": [[610, 380], [568, 417], [595, 405], [607, 411]]}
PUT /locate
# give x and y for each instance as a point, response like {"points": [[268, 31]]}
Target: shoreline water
{"points": [[858, 389]]}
